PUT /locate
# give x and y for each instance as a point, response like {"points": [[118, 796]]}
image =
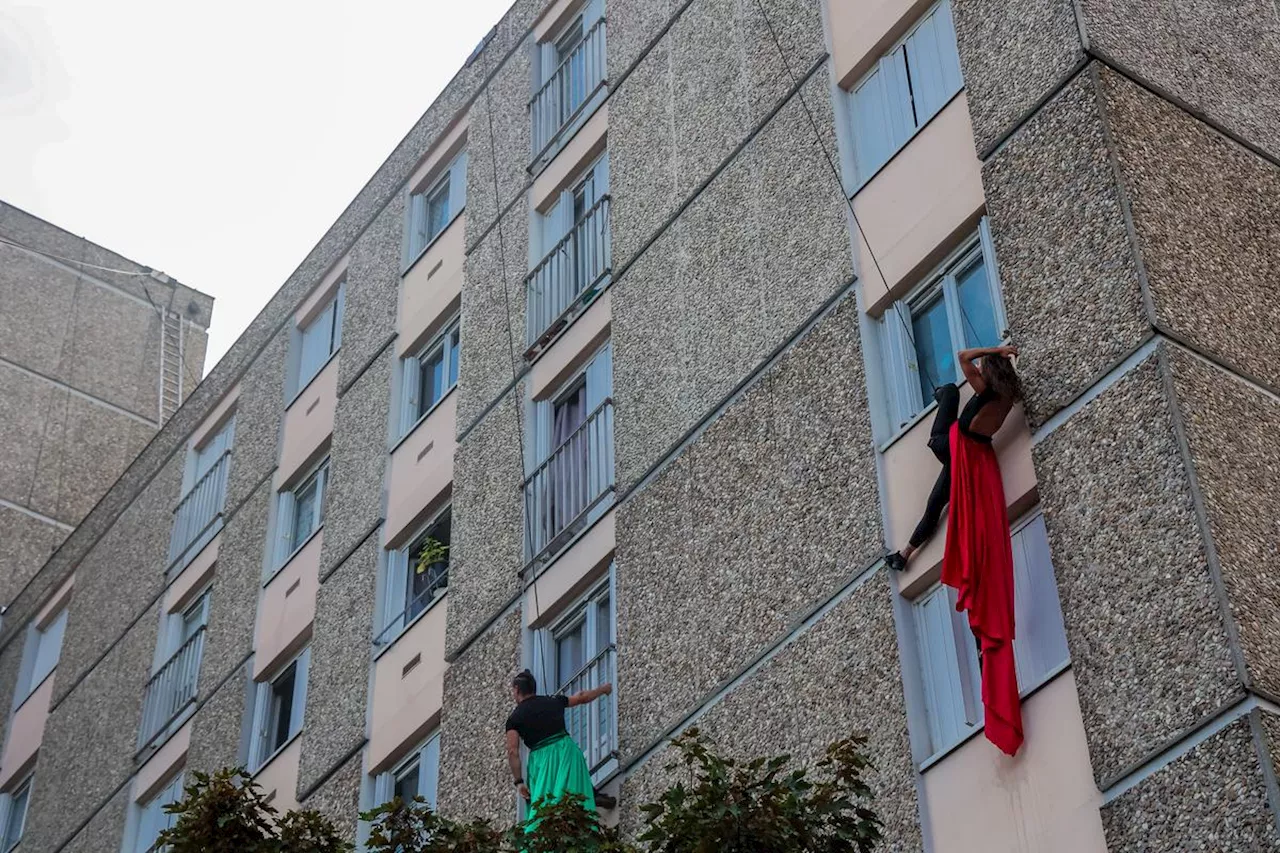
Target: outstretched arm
{"points": [[513, 762], [586, 697], [967, 357]]}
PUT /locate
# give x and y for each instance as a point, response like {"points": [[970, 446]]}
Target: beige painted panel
{"points": [[215, 419], [910, 471], [320, 295], [440, 154], [308, 422], [279, 777], [431, 290], [287, 608], [161, 766], [572, 573], [407, 704], [1043, 800], [193, 577], [863, 30], [919, 204], [421, 469], [569, 352], [26, 730], [587, 144]]}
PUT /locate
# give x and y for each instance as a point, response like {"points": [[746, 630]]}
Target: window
{"points": [[432, 207], [908, 86], [571, 452], [951, 679], [40, 655], [15, 815], [198, 517], [958, 306], [416, 776], [300, 512], [278, 708], [152, 819], [415, 579], [316, 342], [429, 376], [570, 69], [583, 644], [171, 690]]}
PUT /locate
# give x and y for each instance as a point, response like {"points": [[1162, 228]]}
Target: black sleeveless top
{"points": [[538, 718], [971, 410]]}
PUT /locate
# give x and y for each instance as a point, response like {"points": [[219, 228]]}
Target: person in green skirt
{"points": [[556, 764]]}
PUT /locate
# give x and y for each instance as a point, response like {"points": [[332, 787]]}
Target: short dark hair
{"points": [[525, 683]]}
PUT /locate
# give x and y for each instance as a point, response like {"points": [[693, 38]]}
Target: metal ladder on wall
{"points": [[171, 364]]}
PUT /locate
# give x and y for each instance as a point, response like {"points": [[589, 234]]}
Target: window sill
{"points": [[35, 688], [915, 419], [287, 560], [387, 644], [273, 756], [413, 262], [604, 285], [941, 754], [422, 418], [565, 135], [862, 182], [298, 394]]}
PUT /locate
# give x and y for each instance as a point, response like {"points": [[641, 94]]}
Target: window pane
{"points": [[425, 586], [569, 654], [281, 710], [870, 126], [453, 358], [935, 68], [316, 346], [305, 506], [935, 357], [602, 625], [438, 209], [432, 381], [1041, 646], [17, 817], [407, 783], [977, 314]]}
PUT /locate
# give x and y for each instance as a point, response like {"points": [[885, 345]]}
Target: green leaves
{"points": [[758, 806]]}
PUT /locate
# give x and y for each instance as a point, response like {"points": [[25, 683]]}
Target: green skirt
{"points": [[557, 767]]}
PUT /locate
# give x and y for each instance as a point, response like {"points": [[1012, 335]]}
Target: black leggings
{"points": [[948, 397]]}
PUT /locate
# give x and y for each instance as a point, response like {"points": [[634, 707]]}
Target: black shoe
{"points": [[896, 562]]}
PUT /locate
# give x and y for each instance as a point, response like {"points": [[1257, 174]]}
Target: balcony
{"points": [[171, 690], [564, 493], [592, 726], [570, 89], [569, 277], [198, 516]]}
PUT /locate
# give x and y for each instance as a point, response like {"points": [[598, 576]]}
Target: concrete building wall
{"points": [[753, 481]]}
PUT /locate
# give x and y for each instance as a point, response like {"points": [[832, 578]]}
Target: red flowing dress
{"points": [[978, 564]]}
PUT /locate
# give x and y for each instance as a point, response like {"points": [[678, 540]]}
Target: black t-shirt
{"points": [[537, 718]]}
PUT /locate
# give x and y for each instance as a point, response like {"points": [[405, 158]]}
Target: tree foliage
{"points": [[762, 805]]}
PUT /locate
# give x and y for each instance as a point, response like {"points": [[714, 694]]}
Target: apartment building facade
{"points": [[620, 368], [96, 353]]}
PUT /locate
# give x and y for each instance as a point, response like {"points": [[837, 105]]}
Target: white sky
{"points": [[215, 141]]}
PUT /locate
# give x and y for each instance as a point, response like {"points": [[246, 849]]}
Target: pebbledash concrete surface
{"points": [[745, 429]]}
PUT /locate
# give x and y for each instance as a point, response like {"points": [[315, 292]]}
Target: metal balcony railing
{"points": [[437, 584], [569, 89], [576, 478], [592, 726], [171, 690], [567, 279], [198, 515]]}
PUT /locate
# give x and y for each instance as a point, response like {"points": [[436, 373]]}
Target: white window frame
{"points": [[427, 758], [597, 375], [286, 509], [41, 652], [259, 754], [148, 819], [905, 399], [411, 368], [556, 224], [9, 814], [418, 237], [396, 584], [548, 61], [171, 633], [212, 449], [895, 88], [947, 657], [332, 316]]}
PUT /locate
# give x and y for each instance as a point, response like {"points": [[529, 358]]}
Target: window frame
{"points": [[891, 112], [284, 548], [24, 788], [263, 714], [395, 583], [452, 174], [411, 367], [170, 792], [937, 654], [904, 399], [333, 312], [34, 646], [426, 754]]}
